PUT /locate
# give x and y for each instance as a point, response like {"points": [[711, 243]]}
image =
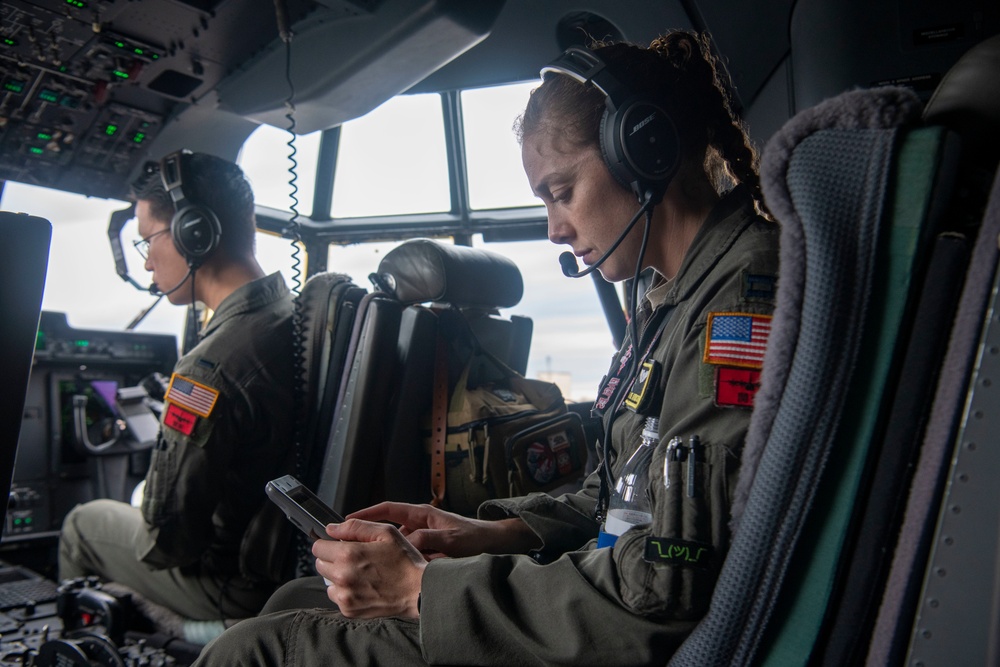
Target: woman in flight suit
{"points": [[612, 134]]}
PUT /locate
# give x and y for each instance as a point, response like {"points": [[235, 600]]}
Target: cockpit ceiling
{"points": [[92, 88]]}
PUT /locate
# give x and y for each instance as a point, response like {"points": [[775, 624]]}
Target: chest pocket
{"points": [[165, 464], [681, 553]]}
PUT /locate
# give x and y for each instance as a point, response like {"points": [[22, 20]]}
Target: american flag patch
{"points": [[187, 393], [737, 339]]}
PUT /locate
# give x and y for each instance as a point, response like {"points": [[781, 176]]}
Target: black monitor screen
{"points": [[24, 258]]}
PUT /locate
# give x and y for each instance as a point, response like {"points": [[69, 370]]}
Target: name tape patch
{"points": [[191, 395], [678, 552], [736, 339]]}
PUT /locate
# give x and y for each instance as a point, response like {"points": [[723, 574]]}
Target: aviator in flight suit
{"points": [[226, 429], [569, 602]]}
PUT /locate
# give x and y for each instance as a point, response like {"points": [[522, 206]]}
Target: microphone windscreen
{"points": [[567, 261], [154, 289]]}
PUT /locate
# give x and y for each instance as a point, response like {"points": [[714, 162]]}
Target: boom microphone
{"points": [[567, 260], [155, 290]]}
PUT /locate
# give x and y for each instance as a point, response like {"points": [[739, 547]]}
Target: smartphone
{"points": [[302, 506]]}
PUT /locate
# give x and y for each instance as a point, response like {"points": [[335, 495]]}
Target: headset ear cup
{"points": [[196, 232], [611, 152], [640, 146]]}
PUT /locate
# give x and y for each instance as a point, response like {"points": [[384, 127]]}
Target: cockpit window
{"points": [[496, 178], [264, 159], [392, 161]]}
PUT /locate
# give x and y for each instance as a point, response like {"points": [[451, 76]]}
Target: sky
{"points": [[378, 173]]}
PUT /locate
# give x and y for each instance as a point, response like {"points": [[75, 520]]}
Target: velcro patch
{"points": [[191, 395], [736, 387], [736, 339], [759, 287], [645, 385], [673, 551], [180, 419]]}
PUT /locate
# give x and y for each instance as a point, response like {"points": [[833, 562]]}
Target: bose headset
{"points": [[194, 228], [641, 148], [638, 138]]}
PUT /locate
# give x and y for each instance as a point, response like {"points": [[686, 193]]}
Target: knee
{"points": [[80, 521], [70, 532]]}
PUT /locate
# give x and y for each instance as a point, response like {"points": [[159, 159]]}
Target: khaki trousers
{"points": [[98, 538], [300, 626]]}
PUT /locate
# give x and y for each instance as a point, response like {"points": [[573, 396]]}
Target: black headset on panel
{"points": [[638, 139], [194, 228]]}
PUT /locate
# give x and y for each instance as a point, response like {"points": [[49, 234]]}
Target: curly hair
{"points": [[679, 73], [213, 183]]}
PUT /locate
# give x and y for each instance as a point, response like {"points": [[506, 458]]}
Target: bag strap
{"points": [[439, 421]]}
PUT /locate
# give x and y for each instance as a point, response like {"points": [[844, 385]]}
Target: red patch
{"points": [[736, 387], [180, 419]]}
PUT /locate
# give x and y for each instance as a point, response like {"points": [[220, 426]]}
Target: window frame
{"points": [[320, 228]]}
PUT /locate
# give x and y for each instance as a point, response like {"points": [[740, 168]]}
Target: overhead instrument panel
{"points": [[88, 84]]}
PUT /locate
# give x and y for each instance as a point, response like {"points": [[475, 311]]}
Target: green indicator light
{"points": [[155, 56], [27, 520], [138, 137], [44, 136], [47, 95], [120, 45], [62, 68], [82, 343], [138, 51], [9, 42], [120, 74], [79, 4], [40, 341], [111, 130], [35, 150], [17, 522], [14, 86]]}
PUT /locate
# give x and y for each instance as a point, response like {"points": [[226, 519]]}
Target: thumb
{"points": [[357, 530]]}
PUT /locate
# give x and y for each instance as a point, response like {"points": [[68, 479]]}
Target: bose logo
{"points": [[642, 123]]}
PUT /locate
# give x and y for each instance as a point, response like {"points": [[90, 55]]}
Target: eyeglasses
{"points": [[142, 245]]}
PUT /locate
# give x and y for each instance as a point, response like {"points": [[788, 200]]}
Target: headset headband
{"points": [[586, 67], [638, 139], [172, 175]]}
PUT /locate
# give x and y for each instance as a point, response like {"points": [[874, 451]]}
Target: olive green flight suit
{"points": [[208, 471], [569, 603]]}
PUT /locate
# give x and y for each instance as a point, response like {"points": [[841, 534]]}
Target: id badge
{"points": [[644, 387]]}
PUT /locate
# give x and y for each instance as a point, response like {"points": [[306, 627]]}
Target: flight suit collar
{"points": [[731, 216], [255, 295]]}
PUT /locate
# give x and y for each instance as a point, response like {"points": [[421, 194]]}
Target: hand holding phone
{"points": [[302, 506]]}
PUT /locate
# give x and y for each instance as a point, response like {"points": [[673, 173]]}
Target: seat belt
{"points": [[439, 421]]}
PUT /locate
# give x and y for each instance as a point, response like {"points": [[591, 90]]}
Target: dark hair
{"points": [[213, 183], [678, 72]]}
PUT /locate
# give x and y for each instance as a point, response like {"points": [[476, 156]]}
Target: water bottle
{"points": [[629, 504]]}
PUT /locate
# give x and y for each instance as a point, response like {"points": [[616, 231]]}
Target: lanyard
{"points": [[612, 394]]}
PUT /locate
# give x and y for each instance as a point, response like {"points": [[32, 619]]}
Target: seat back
{"points": [[324, 319], [826, 489], [322, 323], [847, 274], [374, 450]]}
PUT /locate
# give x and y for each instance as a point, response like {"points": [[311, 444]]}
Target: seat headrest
{"points": [[422, 270], [968, 100]]}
